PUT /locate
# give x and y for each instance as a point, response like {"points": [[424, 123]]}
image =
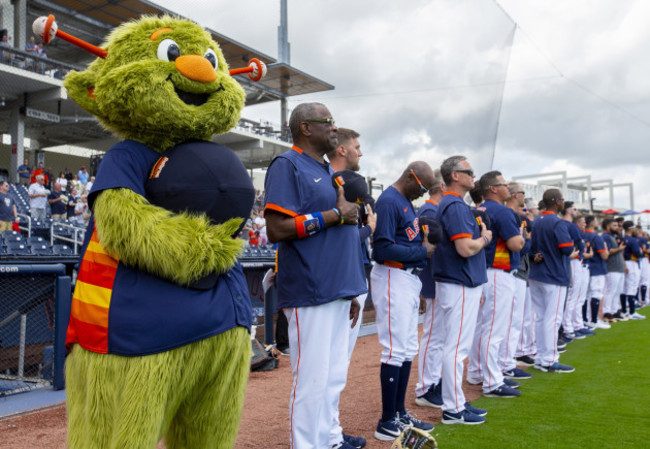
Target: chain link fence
{"points": [[27, 326]]}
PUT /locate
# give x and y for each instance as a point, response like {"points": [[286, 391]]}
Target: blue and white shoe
{"points": [[464, 417], [389, 430], [517, 374], [409, 420], [477, 411], [579, 335], [432, 398], [511, 383], [503, 391], [556, 367], [357, 442]]}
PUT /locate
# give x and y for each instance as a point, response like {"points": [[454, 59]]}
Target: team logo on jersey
{"points": [[317, 180], [157, 168], [413, 232]]}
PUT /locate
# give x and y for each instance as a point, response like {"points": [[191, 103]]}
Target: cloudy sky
{"points": [[534, 86]]}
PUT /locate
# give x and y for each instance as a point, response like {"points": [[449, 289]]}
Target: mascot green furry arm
{"points": [[163, 82]]}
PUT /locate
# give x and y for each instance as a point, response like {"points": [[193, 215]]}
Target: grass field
{"points": [[605, 403]]}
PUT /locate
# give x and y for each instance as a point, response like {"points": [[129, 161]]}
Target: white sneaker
{"points": [[637, 316], [590, 325], [602, 325]]}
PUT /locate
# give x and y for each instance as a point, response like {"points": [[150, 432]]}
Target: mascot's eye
{"points": [[168, 50], [211, 56]]}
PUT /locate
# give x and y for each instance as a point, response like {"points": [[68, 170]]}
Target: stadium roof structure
{"points": [[92, 20]]}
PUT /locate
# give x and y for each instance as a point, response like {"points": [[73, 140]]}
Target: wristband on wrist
{"points": [[486, 240], [309, 224], [338, 212]]}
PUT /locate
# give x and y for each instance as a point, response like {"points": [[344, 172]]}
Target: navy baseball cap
{"points": [[433, 227], [354, 186]]}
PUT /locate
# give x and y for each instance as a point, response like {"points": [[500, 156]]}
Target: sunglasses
{"points": [[329, 121], [423, 189], [467, 172], [499, 185]]}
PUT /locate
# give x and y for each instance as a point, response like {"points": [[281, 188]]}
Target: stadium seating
{"points": [[42, 249], [62, 250], [35, 240], [18, 249], [12, 236]]}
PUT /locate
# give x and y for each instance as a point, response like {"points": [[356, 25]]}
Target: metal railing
{"points": [[76, 240]]}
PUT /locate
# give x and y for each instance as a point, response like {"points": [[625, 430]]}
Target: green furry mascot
{"points": [[151, 357]]}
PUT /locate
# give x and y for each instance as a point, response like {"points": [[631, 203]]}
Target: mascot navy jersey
{"points": [[322, 267], [149, 314], [457, 222]]}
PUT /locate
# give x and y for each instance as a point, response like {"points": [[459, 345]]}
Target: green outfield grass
{"points": [[605, 403]]}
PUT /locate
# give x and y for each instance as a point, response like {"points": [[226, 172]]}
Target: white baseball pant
{"points": [[632, 278], [318, 346], [613, 289], [459, 309], [572, 299], [491, 329], [548, 301], [396, 297], [509, 345], [644, 270], [431, 344], [526, 344]]}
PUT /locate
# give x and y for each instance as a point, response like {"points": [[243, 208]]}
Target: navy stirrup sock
{"points": [[595, 302], [404, 373], [389, 376]]}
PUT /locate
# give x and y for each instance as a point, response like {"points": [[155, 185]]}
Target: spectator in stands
{"points": [[67, 174], [76, 184], [4, 42], [83, 175], [49, 176], [72, 204], [61, 180], [31, 46], [24, 173], [8, 213], [81, 211], [37, 198], [89, 184], [57, 201], [259, 225], [40, 171]]}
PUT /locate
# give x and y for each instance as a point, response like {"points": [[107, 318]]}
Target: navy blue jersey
{"points": [[428, 209], [597, 265], [397, 240], [119, 309], [57, 207], [457, 222], [325, 266], [644, 246], [551, 238], [576, 236], [632, 249], [504, 225]]}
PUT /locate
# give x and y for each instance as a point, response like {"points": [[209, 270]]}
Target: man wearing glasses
{"points": [[459, 271], [401, 252], [502, 261], [549, 278], [320, 273]]}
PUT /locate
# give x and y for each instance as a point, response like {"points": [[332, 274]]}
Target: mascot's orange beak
{"points": [[196, 68]]}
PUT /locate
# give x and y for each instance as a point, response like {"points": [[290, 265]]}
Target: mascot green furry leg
{"points": [[119, 402]]}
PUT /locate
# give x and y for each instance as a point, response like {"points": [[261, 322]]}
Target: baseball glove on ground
{"points": [[412, 438]]}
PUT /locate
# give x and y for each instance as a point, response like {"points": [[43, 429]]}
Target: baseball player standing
{"points": [[346, 157], [428, 389], [459, 271], [615, 268], [401, 252], [549, 278], [597, 272], [632, 254], [502, 258], [320, 273]]}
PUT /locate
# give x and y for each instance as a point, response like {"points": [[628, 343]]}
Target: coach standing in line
{"points": [[615, 276], [549, 278], [428, 390], [597, 271], [320, 272], [501, 258], [401, 252], [459, 271], [346, 157]]}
